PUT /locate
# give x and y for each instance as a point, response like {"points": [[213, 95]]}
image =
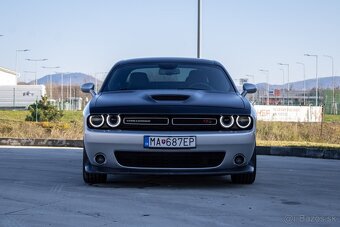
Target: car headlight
{"points": [[227, 121], [96, 121], [243, 121], [113, 120]]}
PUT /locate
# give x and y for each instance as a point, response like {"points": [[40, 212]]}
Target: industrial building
{"points": [[13, 96], [7, 77]]}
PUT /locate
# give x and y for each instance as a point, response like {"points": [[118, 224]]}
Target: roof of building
{"points": [[8, 71]]}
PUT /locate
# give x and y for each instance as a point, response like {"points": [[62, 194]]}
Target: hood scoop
{"points": [[170, 97]]}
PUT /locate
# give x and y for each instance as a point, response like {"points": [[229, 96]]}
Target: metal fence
{"points": [[21, 96], [71, 98], [299, 98]]}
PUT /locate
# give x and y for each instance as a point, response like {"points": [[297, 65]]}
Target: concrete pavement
{"points": [[44, 187]]}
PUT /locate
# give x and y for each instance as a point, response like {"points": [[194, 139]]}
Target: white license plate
{"points": [[169, 141]]}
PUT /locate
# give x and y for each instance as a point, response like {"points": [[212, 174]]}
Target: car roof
{"points": [[168, 60]]}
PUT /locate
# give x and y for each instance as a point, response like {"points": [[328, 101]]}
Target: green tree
{"points": [[43, 111]]}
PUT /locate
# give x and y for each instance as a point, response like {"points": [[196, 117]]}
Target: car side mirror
{"points": [[248, 88], [88, 88]]}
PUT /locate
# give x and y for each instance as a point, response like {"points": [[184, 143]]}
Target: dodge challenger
{"points": [[169, 116]]}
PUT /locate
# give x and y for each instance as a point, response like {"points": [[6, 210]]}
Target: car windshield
{"points": [[168, 76]]}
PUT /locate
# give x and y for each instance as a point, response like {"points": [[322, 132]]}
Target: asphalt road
{"points": [[44, 187]]}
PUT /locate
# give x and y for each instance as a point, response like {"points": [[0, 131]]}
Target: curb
{"points": [[306, 152], [41, 142]]}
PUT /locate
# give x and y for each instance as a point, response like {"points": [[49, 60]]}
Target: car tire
{"points": [[246, 178], [92, 178]]}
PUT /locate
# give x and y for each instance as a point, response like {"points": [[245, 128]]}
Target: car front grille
{"points": [[170, 122], [161, 159], [146, 121]]}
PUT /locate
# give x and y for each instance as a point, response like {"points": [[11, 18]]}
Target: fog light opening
{"points": [[100, 159], [239, 159]]}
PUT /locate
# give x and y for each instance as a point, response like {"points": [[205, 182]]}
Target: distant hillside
{"points": [[324, 83], [75, 78]]}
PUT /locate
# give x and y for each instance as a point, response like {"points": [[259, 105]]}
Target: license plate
{"points": [[169, 141]]}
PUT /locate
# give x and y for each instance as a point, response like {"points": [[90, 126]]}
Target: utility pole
{"points": [[199, 3]]}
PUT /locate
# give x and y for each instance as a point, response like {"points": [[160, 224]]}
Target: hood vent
{"points": [[170, 97]]}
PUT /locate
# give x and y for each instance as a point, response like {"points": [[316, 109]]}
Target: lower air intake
{"points": [[163, 159]]}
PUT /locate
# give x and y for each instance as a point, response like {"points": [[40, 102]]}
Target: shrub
{"points": [[43, 111]]}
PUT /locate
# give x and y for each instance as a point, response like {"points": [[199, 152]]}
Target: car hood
{"points": [[168, 101]]}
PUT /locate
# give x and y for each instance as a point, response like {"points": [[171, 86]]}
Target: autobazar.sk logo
{"points": [[290, 219]]}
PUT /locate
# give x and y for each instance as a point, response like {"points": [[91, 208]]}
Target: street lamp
{"points": [[199, 4], [284, 64], [31, 72], [253, 81], [304, 81], [316, 75], [51, 87], [283, 85], [62, 88], [16, 59], [267, 78], [251, 76], [95, 76], [333, 82], [36, 66], [71, 97]]}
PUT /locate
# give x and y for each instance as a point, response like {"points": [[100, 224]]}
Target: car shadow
{"points": [[178, 182]]}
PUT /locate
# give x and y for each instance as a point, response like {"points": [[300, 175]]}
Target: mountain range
{"points": [[65, 78], [324, 83]]}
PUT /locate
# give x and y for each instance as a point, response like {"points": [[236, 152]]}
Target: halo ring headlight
{"points": [[96, 125], [227, 125], [243, 126], [110, 124]]}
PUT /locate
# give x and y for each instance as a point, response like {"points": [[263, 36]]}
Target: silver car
{"points": [[169, 116]]}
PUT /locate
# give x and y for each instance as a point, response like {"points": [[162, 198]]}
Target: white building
{"points": [[17, 96], [20, 96], [7, 77]]}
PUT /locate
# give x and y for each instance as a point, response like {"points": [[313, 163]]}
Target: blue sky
{"points": [[244, 35]]}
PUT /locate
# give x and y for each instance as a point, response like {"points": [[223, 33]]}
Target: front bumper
{"points": [[107, 142], [143, 171]]}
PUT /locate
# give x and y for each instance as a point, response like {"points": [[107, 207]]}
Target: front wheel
{"points": [[246, 178], [92, 178]]}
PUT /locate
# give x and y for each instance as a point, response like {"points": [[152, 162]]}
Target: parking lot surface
{"points": [[44, 187]]}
